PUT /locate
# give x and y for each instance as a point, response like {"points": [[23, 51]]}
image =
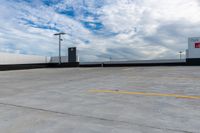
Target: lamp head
{"points": [[61, 33]]}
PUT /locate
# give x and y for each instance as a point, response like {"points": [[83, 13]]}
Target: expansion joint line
{"points": [[92, 117]]}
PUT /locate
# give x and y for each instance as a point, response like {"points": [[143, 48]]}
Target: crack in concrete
{"points": [[93, 117]]}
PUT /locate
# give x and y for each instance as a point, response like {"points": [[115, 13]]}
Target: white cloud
{"points": [[142, 29], [154, 20]]}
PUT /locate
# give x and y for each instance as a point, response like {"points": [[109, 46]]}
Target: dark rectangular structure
{"points": [[72, 55], [193, 61]]}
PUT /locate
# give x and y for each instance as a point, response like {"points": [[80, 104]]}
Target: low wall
{"points": [[36, 66], [22, 66], [100, 64]]}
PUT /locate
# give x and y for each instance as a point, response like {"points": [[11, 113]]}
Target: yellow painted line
{"points": [[144, 94]]}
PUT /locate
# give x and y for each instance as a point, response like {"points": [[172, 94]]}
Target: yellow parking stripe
{"points": [[144, 94]]}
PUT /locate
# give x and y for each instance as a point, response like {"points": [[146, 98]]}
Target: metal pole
{"points": [[180, 55], [59, 34], [59, 49]]}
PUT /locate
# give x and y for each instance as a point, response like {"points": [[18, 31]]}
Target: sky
{"points": [[100, 29]]}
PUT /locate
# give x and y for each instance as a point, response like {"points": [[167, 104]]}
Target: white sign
{"points": [[194, 47]]}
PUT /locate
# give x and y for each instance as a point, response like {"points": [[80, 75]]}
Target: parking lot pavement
{"points": [[64, 100]]}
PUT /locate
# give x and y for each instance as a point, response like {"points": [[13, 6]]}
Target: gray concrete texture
{"points": [[59, 101]]}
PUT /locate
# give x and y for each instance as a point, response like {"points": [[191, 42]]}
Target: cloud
{"points": [[164, 25], [120, 29]]}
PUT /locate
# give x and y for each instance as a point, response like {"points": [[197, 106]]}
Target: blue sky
{"points": [[120, 29]]}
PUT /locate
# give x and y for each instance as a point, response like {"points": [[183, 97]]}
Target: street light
{"points": [[180, 54], [59, 34]]}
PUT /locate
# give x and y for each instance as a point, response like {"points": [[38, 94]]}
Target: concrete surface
{"points": [[59, 100]]}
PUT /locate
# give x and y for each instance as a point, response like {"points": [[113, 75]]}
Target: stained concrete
{"points": [[59, 101]]}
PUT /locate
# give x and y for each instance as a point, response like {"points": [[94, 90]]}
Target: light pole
{"points": [[110, 58], [180, 54], [60, 39]]}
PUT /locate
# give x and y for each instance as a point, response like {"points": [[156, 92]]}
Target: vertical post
{"points": [[102, 64], [45, 59], [59, 49], [180, 54], [59, 34]]}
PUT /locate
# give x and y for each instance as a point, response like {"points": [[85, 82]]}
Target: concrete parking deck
{"points": [[100, 100]]}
